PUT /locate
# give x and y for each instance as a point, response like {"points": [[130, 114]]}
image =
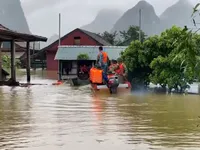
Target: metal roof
{"points": [[71, 52], [7, 35], [96, 37]]}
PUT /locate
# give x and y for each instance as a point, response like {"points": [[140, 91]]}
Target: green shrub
{"points": [[6, 62], [83, 56]]}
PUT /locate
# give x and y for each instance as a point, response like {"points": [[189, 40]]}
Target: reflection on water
{"points": [[62, 117]]}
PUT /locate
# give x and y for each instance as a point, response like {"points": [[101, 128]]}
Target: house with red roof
{"points": [[76, 37]]}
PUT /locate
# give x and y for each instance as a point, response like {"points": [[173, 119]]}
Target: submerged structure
{"points": [[77, 37], [69, 64], [84, 70], [7, 35]]}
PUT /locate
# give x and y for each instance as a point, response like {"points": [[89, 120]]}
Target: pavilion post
{"points": [[28, 62], [13, 68], [0, 62]]}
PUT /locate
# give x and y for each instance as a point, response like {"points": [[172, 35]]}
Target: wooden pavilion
{"points": [[12, 37]]}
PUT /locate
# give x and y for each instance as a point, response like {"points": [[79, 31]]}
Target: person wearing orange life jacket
{"points": [[122, 71], [102, 59], [113, 67]]}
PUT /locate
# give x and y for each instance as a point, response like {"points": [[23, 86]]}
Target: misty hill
{"points": [[50, 40], [104, 21], [178, 14], [149, 20], [12, 16]]}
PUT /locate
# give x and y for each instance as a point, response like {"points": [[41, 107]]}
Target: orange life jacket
{"points": [[121, 70], [105, 57]]}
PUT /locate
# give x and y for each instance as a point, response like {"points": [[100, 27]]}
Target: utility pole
{"points": [[59, 27], [1, 61], [140, 18], [33, 59], [59, 43]]}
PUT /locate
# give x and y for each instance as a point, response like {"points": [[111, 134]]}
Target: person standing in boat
{"points": [[102, 60]]}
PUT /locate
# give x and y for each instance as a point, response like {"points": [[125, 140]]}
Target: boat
{"points": [[70, 64], [113, 86], [122, 88], [80, 79]]}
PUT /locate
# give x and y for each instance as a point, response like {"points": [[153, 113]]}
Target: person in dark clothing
{"points": [[68, 68]]}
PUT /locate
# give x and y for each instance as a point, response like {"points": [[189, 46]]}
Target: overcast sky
{"points": [[42, 15]]}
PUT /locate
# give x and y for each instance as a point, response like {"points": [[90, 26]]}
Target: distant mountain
{"points": [[12, 16], [178, 14], [104, 21], [50, 40], [149, 20]]}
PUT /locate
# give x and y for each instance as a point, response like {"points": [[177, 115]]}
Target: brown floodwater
{"points": [[48, 117]]}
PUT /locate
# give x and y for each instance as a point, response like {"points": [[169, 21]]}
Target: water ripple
{"points": [[60, 117]]}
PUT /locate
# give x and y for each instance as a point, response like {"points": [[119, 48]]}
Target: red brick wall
{"points": [[68, 40]]}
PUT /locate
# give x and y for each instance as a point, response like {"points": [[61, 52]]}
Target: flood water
{"points": [[48, 117]]}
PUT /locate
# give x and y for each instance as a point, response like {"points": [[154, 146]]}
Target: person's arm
{"points": [[125, 70], [97, 59]]}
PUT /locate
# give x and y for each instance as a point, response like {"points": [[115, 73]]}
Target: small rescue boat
{"points": [[113, 86]]}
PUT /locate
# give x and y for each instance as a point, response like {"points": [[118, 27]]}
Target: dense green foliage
{"points": [[130, 35], [171, 59], [125, 37], [110, 37], [6, 62], [83, 56], [165, 59]]}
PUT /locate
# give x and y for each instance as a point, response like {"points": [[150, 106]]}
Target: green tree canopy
{"points": [[188, 49], [163, 59], [125, 37], [6, 62], [130, 35], [110, 37]]}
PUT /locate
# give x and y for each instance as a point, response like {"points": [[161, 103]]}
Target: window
{"points": [[77, 40], [6, 45]]}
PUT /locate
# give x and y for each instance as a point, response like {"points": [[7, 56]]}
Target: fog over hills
{"points": [[50, 40], [110, 19], [104, 21], [178, 14], [12, 16], [149, 19]]}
